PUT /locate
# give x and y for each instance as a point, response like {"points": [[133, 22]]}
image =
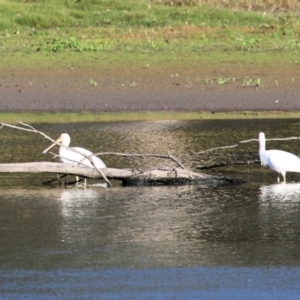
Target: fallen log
{"points": [[153, 176]]}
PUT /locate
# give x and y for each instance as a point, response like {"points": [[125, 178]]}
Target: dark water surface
{"points": [[184, 242]]}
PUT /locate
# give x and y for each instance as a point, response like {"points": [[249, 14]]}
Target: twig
{"points": [[174, 159], [30, 129], [226, 147], [132, 154], [169, 156], [237, 163], [284, 139], [103, 175], [248, 141], [217, 148]]}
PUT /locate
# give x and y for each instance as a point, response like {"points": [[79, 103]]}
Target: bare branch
{"points": [[103, 175], [176, 160], [142, 156], [284, 139], [132, 154], [227, 147], [236, 163], [27, 125], [30, 129], [248, 141], [217, 148]]}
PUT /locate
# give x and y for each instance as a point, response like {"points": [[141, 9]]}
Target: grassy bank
{"points": [[145, 26], [150, 45], [50, 118]]}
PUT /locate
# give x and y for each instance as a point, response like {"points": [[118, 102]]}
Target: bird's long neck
{"points": [[262, 147]]}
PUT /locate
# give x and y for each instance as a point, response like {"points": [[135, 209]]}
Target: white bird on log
{"points": [[278, 160], [76, 155]]}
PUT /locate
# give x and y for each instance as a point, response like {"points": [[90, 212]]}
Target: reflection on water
{"points": [[74, 200], [63, 235], [281, 193], [279, 210]]}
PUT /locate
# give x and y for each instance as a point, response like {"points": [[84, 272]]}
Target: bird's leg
{"points": [[78, 179], [58, 178], [283, 176]]}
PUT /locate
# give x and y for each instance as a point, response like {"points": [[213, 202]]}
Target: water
{"points": [[184, 242]]}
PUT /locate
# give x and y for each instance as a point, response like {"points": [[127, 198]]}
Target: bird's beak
{"points": [[57, 141]]}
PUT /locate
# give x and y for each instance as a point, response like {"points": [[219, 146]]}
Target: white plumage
{"points": [[68, 156], [278, 160]]}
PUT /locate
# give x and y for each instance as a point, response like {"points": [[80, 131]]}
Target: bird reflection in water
{"points": [[283, 192]]}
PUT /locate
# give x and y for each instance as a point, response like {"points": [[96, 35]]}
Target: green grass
{"points": [[149, 34], [134, 26], [118, 13]]}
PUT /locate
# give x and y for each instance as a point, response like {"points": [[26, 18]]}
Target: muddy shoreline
{"points": [[112, 90]]}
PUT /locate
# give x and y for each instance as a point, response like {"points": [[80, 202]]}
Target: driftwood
{"points": [[29, 128], [150, 176], [157, 176]]}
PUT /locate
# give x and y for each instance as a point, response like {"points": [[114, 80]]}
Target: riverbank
{"points": [[163, 58], [100, 87]]}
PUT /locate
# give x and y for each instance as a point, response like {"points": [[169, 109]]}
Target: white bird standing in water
{"points": [[278, 160], [68, 156]]}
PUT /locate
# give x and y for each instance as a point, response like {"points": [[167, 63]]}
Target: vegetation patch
{"points": [[150, 34], [148, 26]]}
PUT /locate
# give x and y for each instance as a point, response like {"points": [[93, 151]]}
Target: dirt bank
{"points": [[141, 89]]}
